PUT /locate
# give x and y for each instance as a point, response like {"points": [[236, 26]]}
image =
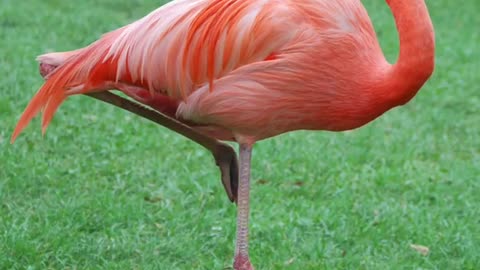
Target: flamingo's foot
{"points": [[242, 262]]}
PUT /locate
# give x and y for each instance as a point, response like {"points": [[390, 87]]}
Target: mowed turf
{"points": [[105, 189]]}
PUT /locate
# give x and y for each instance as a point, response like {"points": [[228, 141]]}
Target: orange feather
{"points": [[76, 70]]}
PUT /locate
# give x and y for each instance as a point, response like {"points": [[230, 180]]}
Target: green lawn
{"points": [[107, 190]]}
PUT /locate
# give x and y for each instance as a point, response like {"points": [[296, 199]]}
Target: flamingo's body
{"points": [[246, 70]]}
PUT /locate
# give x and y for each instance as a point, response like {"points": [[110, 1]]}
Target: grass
{"points": [[105, 190]]}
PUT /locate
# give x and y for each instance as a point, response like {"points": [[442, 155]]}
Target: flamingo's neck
{"points": [[415, 63]]}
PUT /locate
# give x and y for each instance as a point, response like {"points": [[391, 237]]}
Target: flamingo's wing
{"points": [[181, 47], [174, 50]]}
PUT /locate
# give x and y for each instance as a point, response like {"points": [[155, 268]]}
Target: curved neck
{"points": [[415, 63]]}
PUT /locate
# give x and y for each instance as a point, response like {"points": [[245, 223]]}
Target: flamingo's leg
{"points": [[242, 260], [225, 156]]}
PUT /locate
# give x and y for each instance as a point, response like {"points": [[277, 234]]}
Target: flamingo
{"points": [[247, 70]]}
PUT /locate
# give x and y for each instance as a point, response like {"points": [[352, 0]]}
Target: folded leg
{"points": [[224, 154]]}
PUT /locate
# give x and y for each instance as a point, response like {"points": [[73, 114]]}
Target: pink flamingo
{"points": [[246, 70]]}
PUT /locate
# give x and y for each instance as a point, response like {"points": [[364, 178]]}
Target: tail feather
{"points": [[76, 68]]}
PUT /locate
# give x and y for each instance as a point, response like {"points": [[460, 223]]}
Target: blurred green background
{"points": [[107, 190]]}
